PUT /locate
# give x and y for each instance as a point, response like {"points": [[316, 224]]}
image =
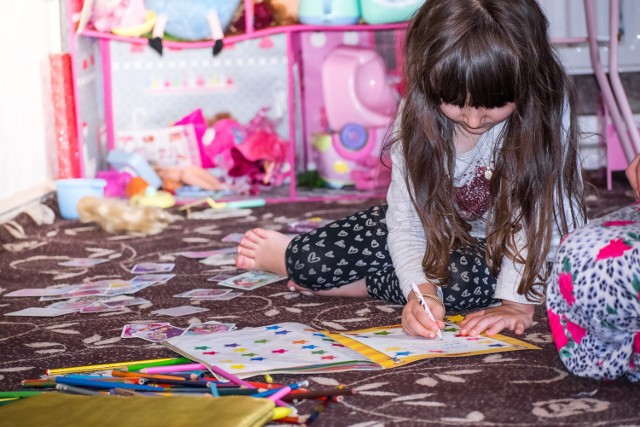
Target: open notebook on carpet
{"points": [[297, 348]]}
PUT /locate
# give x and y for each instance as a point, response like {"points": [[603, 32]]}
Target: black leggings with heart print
{"points": [[355, 247]]}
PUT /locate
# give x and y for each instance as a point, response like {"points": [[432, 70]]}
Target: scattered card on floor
{"points": [[307, 225], [203, 293], [220, 259], [183, 310], [152, 267], [83, 262], [220, 277], [251, 280], [206, 254], [130, 329], [232, 237], [38, 292], [159, 334], [224, 297], [157, 278], [41, 312], [206, 328], [75, 303]]}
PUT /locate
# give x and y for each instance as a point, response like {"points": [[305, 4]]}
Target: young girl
{"points": [[594, 294], [485, 179]]}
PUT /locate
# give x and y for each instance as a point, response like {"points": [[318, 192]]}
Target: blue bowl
{"points": [[70, 191]]}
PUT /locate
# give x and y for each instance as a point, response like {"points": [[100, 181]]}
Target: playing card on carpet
{"points": [[251, 280], [183, 310], [152, 267]]}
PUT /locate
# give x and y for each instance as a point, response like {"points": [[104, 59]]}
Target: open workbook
{"points": [[297, 348]]}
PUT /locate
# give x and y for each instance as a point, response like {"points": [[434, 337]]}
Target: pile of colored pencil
{"points": [[173, 377]]}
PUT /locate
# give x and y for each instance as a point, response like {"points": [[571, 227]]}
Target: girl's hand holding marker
{"points": [[418, 318]]}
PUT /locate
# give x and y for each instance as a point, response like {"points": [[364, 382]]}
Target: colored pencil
{"points": [[123, 374], [149, 364], [128, 380], [173, 368], [115, 365], [65, 388], [214, 389], [316, 413], [104, 384], [230, 376], [183, 383], [316, 394], [38, 383], [279, 412], [7, 400], [19, 394], [252, 383], [125, 392], [235, 379], [280, 393]]}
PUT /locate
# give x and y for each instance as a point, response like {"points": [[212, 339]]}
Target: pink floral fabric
{"points": [[593, 297]]}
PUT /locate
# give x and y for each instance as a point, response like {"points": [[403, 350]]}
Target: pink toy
{"points": [[200, 126], [255, 151], [355, 164], [260, 157], [359, 105], [220, 139], [116, 182], [107, 14], [355, 88]]}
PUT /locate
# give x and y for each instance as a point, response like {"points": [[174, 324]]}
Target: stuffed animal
{"points": [[109, 14], [115, 216], [191, 20]]}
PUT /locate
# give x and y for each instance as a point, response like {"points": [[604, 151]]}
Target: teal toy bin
{"points": [[388, 11], [329, 12], [70, 191]]}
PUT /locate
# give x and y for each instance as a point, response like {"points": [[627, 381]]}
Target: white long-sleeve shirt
{"points": [[406, 239]]}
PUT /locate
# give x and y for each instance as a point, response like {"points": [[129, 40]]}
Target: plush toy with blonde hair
{"points": [[115, 216]]}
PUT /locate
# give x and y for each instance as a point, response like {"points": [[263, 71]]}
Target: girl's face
{"points": [[476, 121]]}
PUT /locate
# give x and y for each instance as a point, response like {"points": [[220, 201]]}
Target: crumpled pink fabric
{"points": [[261, 146], [247, 151]]}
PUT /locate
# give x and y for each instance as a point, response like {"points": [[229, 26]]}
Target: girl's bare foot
{"points": [[263, 250]]}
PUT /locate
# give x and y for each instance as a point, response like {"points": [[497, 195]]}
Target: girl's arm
{"points": [[405, 239], [407, 245], [509, 315]]}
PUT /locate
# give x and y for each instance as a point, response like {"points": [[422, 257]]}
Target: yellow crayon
{"points": [[281, 412]]}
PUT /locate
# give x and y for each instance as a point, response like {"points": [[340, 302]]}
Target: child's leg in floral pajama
{"points": [[593, 297]]}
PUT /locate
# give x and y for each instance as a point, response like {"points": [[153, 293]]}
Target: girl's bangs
{"points": [[481, 78]]}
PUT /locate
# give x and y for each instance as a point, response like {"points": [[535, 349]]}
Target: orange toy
{"points": [[135, 186]]}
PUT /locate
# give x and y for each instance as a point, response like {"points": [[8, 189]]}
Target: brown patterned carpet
{"points": [[522, 388]]}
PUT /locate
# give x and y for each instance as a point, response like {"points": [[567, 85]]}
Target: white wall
{"points": [[24, 165], [567, 19]]}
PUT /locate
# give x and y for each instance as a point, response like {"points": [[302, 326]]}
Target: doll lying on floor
{"points": [[115, 216]]}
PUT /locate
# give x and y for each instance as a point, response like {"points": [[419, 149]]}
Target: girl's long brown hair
{"points": [[486, 53]]}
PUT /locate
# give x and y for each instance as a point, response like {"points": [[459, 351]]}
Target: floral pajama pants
{"points": [[355, 248], [593, 297]]}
